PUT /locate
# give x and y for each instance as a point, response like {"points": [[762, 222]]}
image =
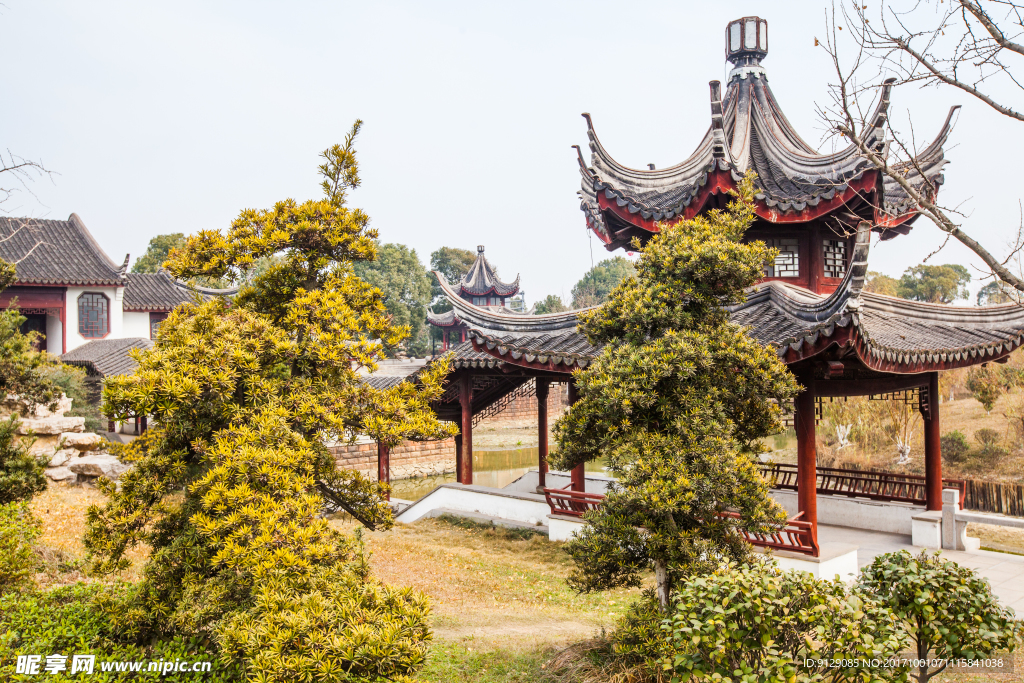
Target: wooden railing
{"points": [[571, 503], [797, 536], [888, 486]]}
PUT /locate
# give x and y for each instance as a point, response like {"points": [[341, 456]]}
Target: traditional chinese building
{"points": [[819, 210], [481, 287], [79, 300]]}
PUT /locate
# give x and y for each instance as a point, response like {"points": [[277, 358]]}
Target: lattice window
{"points": [[93, 315], [835, 258], [154, 322], [787, 263]]}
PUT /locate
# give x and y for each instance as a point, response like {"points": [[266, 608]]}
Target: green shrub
{"points": [[84, 402], [21, 474], [69, 621], [639, 637], [19, 529], [948, 610], [985, 385], [990, 447], [954, 446], [756, 623]]}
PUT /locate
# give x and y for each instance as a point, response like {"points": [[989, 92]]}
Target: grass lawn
{"points": [[501, 608]]}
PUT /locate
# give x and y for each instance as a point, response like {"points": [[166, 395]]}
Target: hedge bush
{"points": [[19, 529]]}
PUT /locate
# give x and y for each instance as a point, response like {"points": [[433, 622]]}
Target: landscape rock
{"points": [[99, 465], [43, 412], [61, 457], [51, 425], [61, 474], [82, 442]]}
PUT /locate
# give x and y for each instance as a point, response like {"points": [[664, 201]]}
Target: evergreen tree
{"points": [[552, 303], [597, 284], [157, 252], [676, 403], [228, 490], [398, 273], [935, 284]]}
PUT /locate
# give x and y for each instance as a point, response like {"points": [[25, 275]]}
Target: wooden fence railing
{"points": [[888, 486], [797, 536], [991, 496]]}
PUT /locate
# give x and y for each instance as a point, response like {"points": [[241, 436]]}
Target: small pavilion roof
{"points": [[749, 131], [107, 357], [51, 252], [481, 279], [161, 292]]}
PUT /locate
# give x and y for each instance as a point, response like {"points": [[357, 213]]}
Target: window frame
{"points": [[78, 312]]}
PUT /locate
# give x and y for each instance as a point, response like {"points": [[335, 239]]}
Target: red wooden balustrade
{"points": [[571, 503], [797, 536], [888, 486]]}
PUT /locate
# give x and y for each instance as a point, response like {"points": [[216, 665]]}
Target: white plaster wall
{"points": [[135, 324], [469, 500], [844, 565], [114, 294], [562, 529], [54, 338], [857, 513]]}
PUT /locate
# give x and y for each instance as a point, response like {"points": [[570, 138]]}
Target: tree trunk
{"points": [[661, 583]]}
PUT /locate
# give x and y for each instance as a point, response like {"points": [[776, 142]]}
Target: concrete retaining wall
{"points": [[528, 508], [857, 513]]}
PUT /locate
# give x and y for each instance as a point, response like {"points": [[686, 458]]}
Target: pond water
{"points": [[496, 468]]}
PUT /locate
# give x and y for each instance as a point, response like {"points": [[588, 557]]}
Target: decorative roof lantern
{"points": [[746, 41]]}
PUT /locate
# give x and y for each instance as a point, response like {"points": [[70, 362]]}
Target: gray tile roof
{"points": [[749, 132], [161, 292], [481, 279], [49, 252], [107, 357]]}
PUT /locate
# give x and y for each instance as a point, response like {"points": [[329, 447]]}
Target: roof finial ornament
{"points": [[479, 248], [746, 44]]}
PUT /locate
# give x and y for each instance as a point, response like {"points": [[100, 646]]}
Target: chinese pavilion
{"points": [[819, 210], [481, 287]]}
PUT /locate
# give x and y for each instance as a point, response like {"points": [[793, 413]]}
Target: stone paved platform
{"points": [[1004, 572]]}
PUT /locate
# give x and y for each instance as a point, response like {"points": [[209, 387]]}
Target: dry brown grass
{"points": [[62, 509], [490, 586], [1001, 538]]}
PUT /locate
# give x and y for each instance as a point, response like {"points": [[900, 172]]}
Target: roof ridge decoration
{"points": [[749, 131], [481, 279]]}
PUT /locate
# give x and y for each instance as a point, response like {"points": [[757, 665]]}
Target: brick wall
{"points": [[429, 458]]}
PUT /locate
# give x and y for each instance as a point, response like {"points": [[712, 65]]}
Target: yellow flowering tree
{"points": [[229, 487], [675, 404]]}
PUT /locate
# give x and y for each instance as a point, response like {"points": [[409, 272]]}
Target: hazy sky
{"points": [[172, 117]]}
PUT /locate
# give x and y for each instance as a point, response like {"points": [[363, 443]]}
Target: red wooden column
{"points": [[384, 465], [542, 431], [932, 446], [578, 475], [806, 464], [465, 474], [458, 454]]}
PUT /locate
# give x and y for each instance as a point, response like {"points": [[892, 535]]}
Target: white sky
{"points": [[173, 117]]}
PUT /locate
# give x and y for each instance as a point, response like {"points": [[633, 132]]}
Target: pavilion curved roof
{"points": [[481, 279], [885, 333], [749, 131]]}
